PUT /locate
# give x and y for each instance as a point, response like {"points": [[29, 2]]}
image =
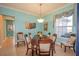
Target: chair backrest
{"points": [[27, 38], [30, 36], [54, 37], [20, 36], [72, 39], [44, 45]]}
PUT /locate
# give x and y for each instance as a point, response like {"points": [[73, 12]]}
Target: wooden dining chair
{"points": [[44, 47], [34, 46], [20, 38], [54, 37], [70, 43], [28, 43]]}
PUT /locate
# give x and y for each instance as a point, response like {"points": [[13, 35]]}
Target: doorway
{"points": [[10, 31]]}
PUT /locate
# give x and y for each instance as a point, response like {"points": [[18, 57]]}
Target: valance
{"points": [[65, 14]]}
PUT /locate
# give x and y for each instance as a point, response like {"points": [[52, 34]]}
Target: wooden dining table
{"points": [[35, 43]]}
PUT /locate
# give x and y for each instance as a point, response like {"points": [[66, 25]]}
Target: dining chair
{"points": [[20, 38], [28, 43], [44, 47], [54, 37], [70, 43]]}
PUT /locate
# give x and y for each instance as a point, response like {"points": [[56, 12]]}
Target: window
{"points": [[64, 25]]}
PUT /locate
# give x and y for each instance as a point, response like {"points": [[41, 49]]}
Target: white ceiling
{"points": [[34, 8]]}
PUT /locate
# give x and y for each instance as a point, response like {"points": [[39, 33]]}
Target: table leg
{"points": [[52, 52], [32, 51], [64, 48]]}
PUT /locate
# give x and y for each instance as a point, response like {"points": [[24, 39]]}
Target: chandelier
{"points": [[40, 19]]}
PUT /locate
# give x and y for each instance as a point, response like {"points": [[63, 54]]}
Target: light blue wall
{"points": [[50, 17], [20, 19]]}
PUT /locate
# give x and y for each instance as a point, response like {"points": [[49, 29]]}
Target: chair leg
{"points": [[54, 48], [17, 44], [49, 53], [69, 47], [74, 48], [52, 52], [64, 48], [32, 51], [36, 51], [39, 52], [61, 45], [27, 52]]}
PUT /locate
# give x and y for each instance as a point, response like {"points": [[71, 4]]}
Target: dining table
{"points": [[35, 42]]}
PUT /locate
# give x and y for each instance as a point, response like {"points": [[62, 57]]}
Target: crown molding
{"points": [[58, 9], [33, 14], [26, 12]]}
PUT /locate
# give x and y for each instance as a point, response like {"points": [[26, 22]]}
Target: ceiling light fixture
{"points": [[40, 19]]}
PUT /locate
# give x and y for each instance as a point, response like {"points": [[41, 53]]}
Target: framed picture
{"points": [[30, 25], [10, 27], [45, 26]]}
